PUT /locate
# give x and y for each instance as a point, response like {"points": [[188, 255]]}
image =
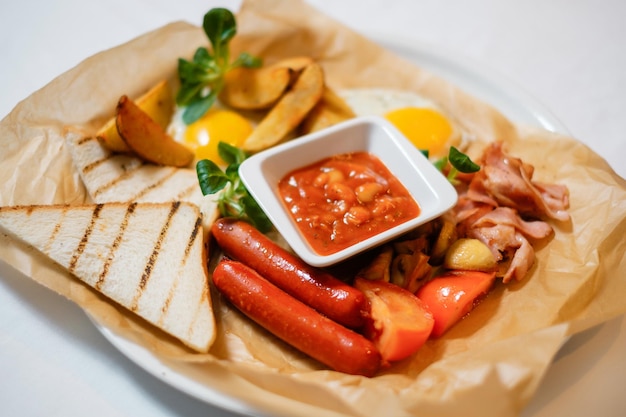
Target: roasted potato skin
{"points": [[290, 110], [157, 102], [147, 139], [254, 88], [330, 110]]}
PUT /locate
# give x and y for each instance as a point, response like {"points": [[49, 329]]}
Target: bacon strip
{"points": [[495, 205], [507, 181]]}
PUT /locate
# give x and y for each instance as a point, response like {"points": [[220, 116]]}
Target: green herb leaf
{"points": [[230, 154], [220, 27], [256, 214], [248, 61], [197, 108], [210, 177], [441, 163], [462, 162], [459, 162], [202, 78], [234, 200]]}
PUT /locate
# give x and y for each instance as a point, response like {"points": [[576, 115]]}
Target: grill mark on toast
{"points": [[83, 241], [55, 230], [204, 295], [145, 277], [192, 238], [203, 299], [187, 191], [172, 291], [85, 139], [116, 243], [94, 164], [127, 173], [168, 301], [156, 184]]}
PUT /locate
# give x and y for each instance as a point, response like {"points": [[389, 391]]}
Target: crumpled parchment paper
{"points": [[488, 365]]}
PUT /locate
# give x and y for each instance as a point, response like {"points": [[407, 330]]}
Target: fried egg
{"points": [[219, 124], [419, 119]]}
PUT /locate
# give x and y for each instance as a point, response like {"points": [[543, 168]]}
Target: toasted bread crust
{"points": [[148, 257]]}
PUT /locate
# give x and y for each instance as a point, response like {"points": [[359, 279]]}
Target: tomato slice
{"points": [[399, 324], [451, 296]]}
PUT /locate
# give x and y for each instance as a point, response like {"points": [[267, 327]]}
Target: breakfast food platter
{"points": [[480, 80], [202, 375]]}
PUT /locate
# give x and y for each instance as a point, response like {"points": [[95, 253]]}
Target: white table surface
{"points": [[567, 54]]}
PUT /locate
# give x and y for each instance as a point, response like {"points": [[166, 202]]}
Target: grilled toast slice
{"points": [[148, 257], [117, 177]]}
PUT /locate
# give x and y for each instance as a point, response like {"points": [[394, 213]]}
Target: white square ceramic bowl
{"points": [[262, 172]]}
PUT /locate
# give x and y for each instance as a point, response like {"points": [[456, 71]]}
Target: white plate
{"points": [[473, 78]]}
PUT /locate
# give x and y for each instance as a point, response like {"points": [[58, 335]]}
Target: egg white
{"points": [[380, 101]]}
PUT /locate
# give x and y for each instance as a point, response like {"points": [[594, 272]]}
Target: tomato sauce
{"points": [[345, 199]]}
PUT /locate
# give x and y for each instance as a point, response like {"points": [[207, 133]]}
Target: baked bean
{"points": [[321, 180], [347, 198], [328, 177], [367, 192], [357, 215], [335, 175], [340, 191]]}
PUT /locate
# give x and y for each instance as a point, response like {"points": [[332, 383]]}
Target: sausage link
{"points": [[314, 287], [294, 322]]}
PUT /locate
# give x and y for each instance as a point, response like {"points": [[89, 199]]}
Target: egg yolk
{"points": [[426, 128], [216, 126]]}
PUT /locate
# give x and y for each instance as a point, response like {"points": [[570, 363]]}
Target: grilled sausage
{"points": [[294, 322], [314, 287]]}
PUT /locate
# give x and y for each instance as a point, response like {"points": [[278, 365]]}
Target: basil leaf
{"points": [[441, 163], [232, 172], [202, 56], [462, 162], [206, 71], [198, 108], [248, 61], [210, 177], [189, 72], [220, 27], [231, 154], [256, 215], [186, 94]]}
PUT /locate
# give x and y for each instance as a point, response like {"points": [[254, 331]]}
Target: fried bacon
{"points": [[507, 181], [503, 207], [500, 205]]}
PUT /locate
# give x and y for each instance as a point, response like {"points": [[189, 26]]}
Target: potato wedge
{"points": [[254, 88], [158, 103], [147, 138], [295, 63], [290, 110], [331, 109]]}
